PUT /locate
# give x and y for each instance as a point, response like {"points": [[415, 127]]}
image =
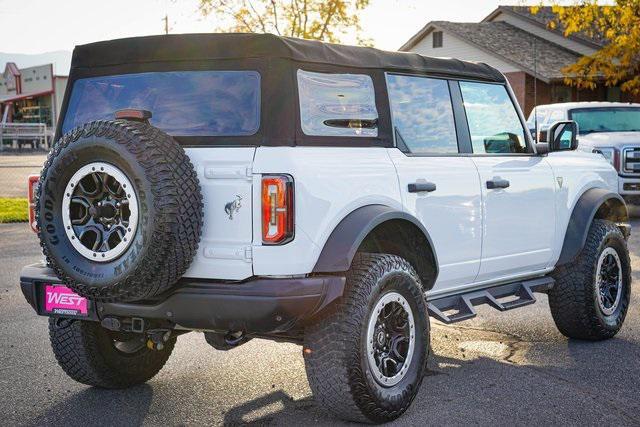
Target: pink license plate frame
{"points": [[59, 300]]}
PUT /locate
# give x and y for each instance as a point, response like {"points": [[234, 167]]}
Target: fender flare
{"points": [[581, 218], [348, 235]]}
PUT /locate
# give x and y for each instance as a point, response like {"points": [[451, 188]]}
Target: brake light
{"points": [[277, 209], [31, 191]]}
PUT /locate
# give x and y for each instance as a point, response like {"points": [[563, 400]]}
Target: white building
{"points": [[523, 47]]}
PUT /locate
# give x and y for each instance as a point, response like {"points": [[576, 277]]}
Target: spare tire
{"points": [[119, 210]]}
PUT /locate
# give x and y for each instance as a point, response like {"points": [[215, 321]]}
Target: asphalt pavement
{"points": [[497, 369]]}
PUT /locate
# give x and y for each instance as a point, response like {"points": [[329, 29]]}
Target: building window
{"points": [[561, 93], [437, 39], [613, 94]]}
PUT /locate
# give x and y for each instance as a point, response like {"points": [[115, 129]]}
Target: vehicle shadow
{"points": [[93, 406], [483, 390], [555, 381]]}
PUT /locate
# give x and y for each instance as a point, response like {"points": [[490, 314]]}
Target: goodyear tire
{"points": [[92, 355], [119, 210], [365, 360]]}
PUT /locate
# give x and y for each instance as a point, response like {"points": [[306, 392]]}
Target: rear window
{"points": [[183, 103]]}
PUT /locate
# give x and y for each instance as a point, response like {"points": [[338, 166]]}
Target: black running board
{"points": [[463, 304]]}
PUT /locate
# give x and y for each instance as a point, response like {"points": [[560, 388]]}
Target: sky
{"points": [[37, 26]]}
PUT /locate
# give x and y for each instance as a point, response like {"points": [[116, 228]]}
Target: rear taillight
{"points": [[277, 209], [33, 188]]}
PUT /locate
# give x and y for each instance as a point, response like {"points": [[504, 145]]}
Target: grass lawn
{"points": [[13, 210]]}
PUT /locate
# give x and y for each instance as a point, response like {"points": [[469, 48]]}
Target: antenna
{"points": [[166, 24], [535, 84]]}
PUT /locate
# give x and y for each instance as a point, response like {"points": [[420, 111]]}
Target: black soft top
{"points": [[277, 60], [207, 47]]}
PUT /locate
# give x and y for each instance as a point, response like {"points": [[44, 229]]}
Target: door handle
{"points": [[492, 184], [419, 187]]}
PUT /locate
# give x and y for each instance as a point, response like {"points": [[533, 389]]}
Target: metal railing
{"points": [[36, 134]]}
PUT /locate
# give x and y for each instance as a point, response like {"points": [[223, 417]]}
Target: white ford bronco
{"points": [[252, 186]]}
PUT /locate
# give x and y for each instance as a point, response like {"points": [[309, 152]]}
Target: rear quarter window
{"points": [[337, 104], [183, 103]]}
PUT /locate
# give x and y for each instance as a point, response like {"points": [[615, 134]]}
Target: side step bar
{"points": [[463, 304]]}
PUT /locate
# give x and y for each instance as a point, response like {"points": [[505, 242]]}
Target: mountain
{"points": [[61, 60]]}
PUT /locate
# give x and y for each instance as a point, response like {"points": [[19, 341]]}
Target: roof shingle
{"points": [[514, 45], [545, 15]]}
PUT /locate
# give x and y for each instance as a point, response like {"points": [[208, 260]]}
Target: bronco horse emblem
{"points": [[233, 207]]}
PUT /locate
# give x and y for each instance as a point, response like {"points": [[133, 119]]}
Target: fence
{"points": [[20, 134]]}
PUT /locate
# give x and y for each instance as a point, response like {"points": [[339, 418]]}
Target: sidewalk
{"points": [[14, 170]]}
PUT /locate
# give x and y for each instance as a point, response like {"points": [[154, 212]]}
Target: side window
{"points": [[556, 116], [494, 124], [422, 114], [543, 118], [541, 114], [337, 104]]}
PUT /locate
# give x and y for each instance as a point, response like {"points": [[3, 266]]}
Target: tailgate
{"points": [[226, 182]]}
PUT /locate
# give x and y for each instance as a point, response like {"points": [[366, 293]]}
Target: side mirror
{"points": [[563, 136]]}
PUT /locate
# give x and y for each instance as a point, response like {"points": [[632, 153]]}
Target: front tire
{"points": [[590, 298], [92, 355], [366, 359]]}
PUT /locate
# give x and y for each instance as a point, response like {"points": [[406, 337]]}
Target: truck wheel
{"points": [[591, 295], [366, 358], [93, 355], [119, 210]]}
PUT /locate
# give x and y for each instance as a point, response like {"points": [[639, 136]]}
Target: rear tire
{"points": [[342, 376], [88, 354], [577, 303]]}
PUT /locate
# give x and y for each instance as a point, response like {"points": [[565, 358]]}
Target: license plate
{"points": [[60, 300]]}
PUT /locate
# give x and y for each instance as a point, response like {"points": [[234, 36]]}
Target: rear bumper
{"points": [[259, 306]]}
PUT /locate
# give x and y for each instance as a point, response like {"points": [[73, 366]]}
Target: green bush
{"points": [[13, 210]]}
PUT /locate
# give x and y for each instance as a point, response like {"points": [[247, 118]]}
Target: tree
{"points": [[326, 20], [618, 25]]}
